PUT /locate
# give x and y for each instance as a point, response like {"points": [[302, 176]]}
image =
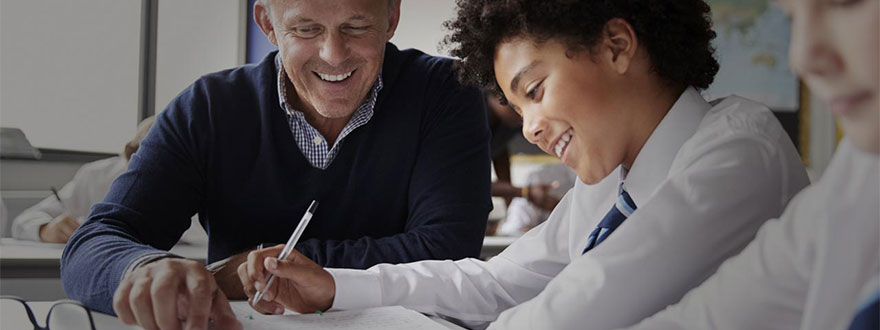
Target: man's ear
{"points": [[619, 44], [261, 17], [393, 19]]}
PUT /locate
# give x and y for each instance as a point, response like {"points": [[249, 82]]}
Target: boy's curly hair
{"points": [[676, 34]]}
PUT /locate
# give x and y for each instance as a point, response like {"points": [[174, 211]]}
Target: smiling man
{"points": [[389, 143]]}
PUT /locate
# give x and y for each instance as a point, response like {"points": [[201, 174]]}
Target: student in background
{"points": [[553, 181], [529, 205], [54, 219], [670, 184], [817, 266]]}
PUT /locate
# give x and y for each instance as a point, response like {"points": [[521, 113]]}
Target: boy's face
{"points": [[567, 104], [834, 48]]}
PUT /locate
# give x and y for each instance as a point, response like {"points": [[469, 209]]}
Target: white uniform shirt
{"points": [[807, 270], [704, 182], [89, 185]]}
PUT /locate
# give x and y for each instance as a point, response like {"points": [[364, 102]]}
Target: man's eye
{"points": [[357, 29], [307, 31]]}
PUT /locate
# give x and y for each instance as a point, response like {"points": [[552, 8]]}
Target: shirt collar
{"points": [[652, 164]]}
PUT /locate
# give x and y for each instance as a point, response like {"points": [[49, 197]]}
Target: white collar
{"points": [[652, 164]]}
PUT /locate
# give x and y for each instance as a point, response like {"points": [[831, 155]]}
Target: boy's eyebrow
{"points": [[514, 83]]}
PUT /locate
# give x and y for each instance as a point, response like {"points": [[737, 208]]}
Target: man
{"points": [[393, 148]]}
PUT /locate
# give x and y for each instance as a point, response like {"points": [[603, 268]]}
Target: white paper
{"points": [[382, 318]]}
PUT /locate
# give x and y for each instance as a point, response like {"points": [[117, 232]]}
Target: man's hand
{"points": [[173, 294], [59, 229], [300, 284]]}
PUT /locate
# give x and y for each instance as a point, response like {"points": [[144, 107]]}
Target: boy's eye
{"points": [[534, 91]]}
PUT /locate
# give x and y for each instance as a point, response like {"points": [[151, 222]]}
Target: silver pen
{"points": [[294, 237]]}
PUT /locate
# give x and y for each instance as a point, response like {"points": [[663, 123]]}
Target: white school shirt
{"points": [[703, 183], [88, 186], [806, 270]]}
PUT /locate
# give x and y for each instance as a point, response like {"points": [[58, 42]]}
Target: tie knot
{"points": [[624, 203]]}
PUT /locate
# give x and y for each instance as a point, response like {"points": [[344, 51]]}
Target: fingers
{"points": [[142, 303], [66, 229], [159, 294], [263, 306], [201, 290], [221, 313], [163, 293], [255, 266], [246, 284], [308, 285], [70, 223], [120, 302]]}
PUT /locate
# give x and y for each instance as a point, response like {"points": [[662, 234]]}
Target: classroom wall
{"points": [[421, 24], [196, 37], [69, 71]]}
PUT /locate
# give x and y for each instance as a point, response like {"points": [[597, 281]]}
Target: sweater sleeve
{"points": [[146, 210], [449, 194]]}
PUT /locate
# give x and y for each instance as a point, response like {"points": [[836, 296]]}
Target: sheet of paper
{"points": [[382, 318]]}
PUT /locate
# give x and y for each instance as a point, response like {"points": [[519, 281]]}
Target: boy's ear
{"points": [[619, 44]]}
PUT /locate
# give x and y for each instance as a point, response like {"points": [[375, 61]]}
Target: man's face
{"points": [[332, 50]]}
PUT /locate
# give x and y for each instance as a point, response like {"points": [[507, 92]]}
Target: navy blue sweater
{"points": [[411, 184]]}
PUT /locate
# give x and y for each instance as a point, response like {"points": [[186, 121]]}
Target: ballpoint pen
{"points": [[294, 237], [55, 192]]}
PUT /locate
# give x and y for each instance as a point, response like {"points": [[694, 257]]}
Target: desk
{"points": [[104, 321], [32, 270]]}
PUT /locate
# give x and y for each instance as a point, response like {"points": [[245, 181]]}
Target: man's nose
{"points": [[334, 50]]}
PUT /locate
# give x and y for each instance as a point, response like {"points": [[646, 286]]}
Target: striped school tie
{"points": [[868, 314], [619, 212]]}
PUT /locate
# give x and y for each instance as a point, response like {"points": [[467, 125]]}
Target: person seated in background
{"points": [[817, 267], [391, 145], [54, 219], [670, 185], [522, 214], [531, 203]]}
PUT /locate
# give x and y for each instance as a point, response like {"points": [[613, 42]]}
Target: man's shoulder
{"points": [[412, 67], [241, 79]]}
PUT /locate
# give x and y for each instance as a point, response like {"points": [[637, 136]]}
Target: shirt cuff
{"points": [[29, 231], [355, 289], [145, 259]]}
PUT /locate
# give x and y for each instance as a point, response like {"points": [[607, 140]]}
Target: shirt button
{"points": [[317, 140]]}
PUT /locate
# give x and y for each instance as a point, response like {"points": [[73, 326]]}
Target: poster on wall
{"points": [[752, 48]]}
